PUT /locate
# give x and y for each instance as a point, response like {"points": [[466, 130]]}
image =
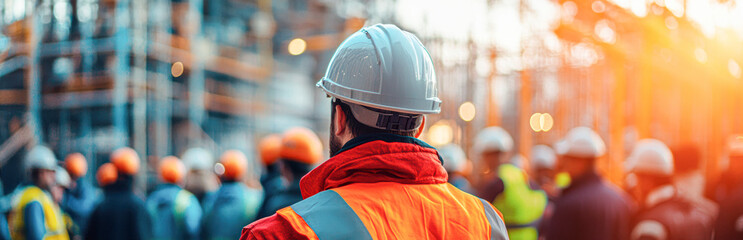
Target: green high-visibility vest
{"points": [[521, 206]]}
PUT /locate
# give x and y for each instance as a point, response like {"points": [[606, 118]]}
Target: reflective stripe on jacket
{"points": [[395, 211]]}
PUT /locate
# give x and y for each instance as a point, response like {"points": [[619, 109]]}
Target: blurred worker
{"points": [[300, 150], [121, 214], [234, 203], [589, 208], [663, 213], [543, 161], [176, 213], [5, 207], [730, 221], [455, 163], [688, 178], [381, 182], [271, 179], [35, 215], [79, 198], [507, 185], [63, 183], [200, 179]]}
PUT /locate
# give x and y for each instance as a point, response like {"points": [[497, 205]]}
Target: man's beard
{"points": [[335, 143]]}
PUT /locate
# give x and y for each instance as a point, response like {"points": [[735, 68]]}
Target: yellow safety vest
{"points": [[521, 206], [53, 218]]}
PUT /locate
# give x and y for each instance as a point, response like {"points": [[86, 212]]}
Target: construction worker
{"points": [[589, 208], [507, 186], [176, 213], [380, 182], [235, 204], [455, 163], [271, 180], [121, 214], [543, 161], [200, 179], [63, 183], [35, 215], [79, 198], [661, 207], [729, 224], [300, 149]]}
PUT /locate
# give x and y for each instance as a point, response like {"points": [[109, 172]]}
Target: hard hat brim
{"points": [[322, 82]]}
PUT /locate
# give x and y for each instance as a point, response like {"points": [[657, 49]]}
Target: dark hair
{"points": [[296, 168], [359, 129]]}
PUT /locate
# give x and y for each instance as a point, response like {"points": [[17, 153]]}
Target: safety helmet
{"points": [[198, 159], [107, 174], [171, 169], [493, 139], [235, 164], [301, 145], [269, 148], [650, 156], [542, 156], [40, 157], [454, 158], [518, 160], [76, 165], [62, 177], [126, 160], [385, 68], [581, 142]]}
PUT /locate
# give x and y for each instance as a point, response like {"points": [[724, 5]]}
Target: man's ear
{"points": [[420, 129], [340, 121]]}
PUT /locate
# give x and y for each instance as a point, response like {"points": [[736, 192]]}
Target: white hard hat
{"points": [[62, 177], [454, 158], [198, 159], [383, 67], [40, 157], [518, 160], [542, 156], [581, 142], [650, 156], [493, 139]]}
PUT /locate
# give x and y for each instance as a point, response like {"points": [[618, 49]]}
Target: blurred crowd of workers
{"points": [[381, 182], [196, 198]]}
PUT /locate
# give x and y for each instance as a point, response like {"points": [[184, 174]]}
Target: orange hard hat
{"points": [[76, 165], [126, 160], [235, 164], [301, 145], [269, 148], [171, 169], [106, 174]]}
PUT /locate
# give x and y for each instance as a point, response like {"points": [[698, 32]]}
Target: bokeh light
{"points": [[467, 111], [176, 69], [440, 133], [297, 46]]}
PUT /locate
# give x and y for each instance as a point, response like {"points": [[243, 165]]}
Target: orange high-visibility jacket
{"points": [[381, 187]]}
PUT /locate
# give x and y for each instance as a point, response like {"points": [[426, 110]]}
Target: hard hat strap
{"points": [[386, 120]]}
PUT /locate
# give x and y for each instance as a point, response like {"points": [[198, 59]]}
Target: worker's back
{"points": [[590, 209], [383, 186], [175, 212], [682, 218], [233, 206], [399, 211], [121, 215]]}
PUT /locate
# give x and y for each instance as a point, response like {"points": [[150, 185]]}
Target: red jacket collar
{"points": [[377, 158]]}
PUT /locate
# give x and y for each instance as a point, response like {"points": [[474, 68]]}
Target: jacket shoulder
{"points": [[272, 227]]}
